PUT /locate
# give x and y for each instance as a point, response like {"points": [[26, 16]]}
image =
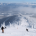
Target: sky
{"points": [[30, 1], [17, 1]]}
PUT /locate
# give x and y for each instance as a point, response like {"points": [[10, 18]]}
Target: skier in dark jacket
{"points": [[26, 29], [2, 29]]}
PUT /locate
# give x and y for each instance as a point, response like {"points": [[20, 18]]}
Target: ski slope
{"points": [[18, 30]]}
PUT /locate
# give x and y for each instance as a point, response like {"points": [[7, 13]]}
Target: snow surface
{"points": [[19, 30]]}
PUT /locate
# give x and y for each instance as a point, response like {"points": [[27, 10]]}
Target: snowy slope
{"points": [[13, 31], [18, 30]]}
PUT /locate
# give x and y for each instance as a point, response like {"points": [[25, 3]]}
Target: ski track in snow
{"points": [[19, 30]]}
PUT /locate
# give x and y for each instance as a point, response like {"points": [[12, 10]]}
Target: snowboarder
{"points": [[2, 29]]}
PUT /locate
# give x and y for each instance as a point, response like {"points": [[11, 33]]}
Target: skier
{"points": [[26, 29], [2, 29]]}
